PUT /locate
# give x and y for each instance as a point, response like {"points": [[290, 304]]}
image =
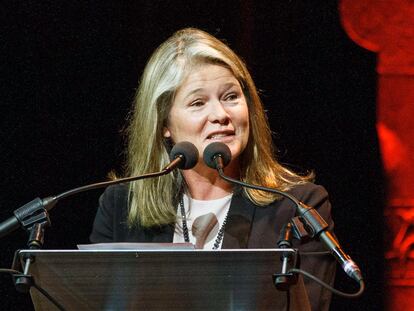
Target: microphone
{"points": [[217, 155], [184, 155]]}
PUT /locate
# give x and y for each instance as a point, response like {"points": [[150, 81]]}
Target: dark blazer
{"points": [[248, 226]]}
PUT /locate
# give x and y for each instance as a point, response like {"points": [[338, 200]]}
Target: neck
{"points": [[205, 183]]}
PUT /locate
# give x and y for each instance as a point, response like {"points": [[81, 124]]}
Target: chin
{"points": [[235, 151]]}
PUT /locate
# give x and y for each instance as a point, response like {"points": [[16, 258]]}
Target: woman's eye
{"points": [[231, 96], [197, 103]]}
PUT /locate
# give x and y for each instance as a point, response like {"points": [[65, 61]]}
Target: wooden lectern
{"points": [[225, 280]]}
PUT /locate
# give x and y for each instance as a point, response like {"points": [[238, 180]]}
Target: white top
{"points": [[204, 220]]}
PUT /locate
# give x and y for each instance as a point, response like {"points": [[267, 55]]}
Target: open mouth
{"points": [[221, 135]]}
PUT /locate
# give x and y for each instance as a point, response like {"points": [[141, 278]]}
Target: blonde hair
{"points": [[152, 202]]}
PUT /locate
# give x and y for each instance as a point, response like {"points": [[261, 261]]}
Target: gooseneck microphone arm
{"points": [[217, 155], [51, 201], [38, 205], [184, 155]]}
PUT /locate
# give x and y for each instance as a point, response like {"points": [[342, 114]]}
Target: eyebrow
{"points": [[192, 92], [227, 85]]}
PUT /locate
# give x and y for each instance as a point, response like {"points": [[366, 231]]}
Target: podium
{"points": [[225, 280]]}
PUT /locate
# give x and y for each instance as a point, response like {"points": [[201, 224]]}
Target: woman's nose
{"points": [[218, 113]]}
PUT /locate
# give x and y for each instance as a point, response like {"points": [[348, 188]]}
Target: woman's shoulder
{"points": [[117, 190], [314, 196], [309, 193], [115, 195], [308, 190]]}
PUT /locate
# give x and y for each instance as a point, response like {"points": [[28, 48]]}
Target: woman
{"points": [[195, 88]]}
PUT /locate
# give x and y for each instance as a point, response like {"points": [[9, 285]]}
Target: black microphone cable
{"points": [[217, 155]]}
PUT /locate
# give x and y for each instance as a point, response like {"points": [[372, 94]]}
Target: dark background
{"points": [[68, 73]]}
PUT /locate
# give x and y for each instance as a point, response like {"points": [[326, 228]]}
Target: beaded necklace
{"points": [[220, 234]]}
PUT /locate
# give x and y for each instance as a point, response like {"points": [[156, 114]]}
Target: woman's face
{"points": [[210, 106]]}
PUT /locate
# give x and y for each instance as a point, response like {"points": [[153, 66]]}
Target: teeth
{"points": [[218, 136]]}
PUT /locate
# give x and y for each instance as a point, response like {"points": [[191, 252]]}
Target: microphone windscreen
{"points": [[216, 149], [189, 153]]}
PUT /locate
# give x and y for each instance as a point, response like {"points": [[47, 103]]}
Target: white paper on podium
{"points": [[137, 246]]}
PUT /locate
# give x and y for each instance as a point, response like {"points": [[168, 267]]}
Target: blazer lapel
{"points": [[239, 222]]}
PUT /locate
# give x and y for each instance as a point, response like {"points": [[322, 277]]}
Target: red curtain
{"points": [[387, 28]]}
